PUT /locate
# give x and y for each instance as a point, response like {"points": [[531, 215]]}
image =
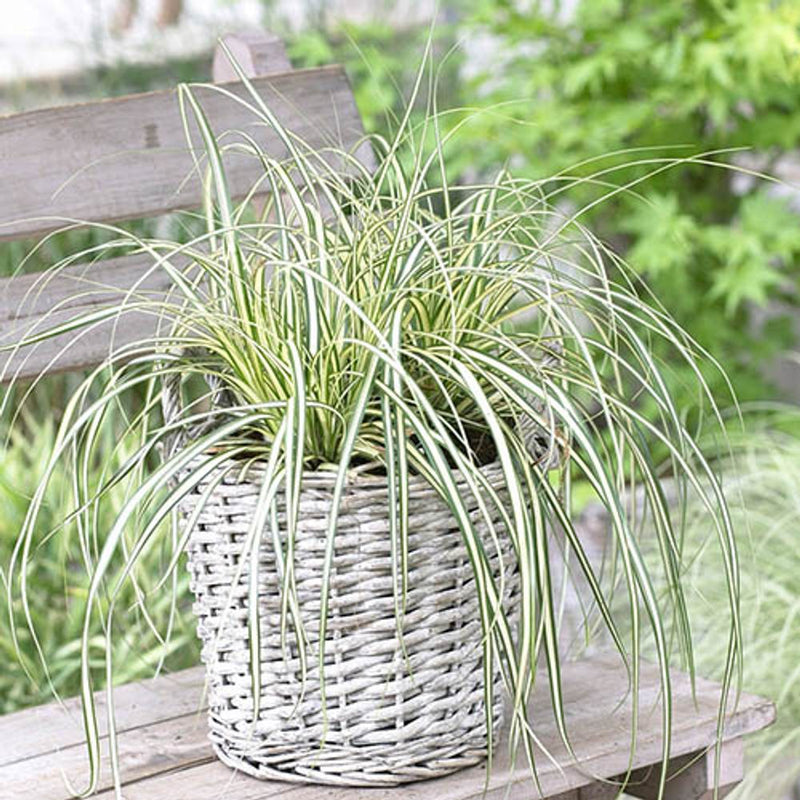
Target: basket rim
{"points": [[357, 477]]}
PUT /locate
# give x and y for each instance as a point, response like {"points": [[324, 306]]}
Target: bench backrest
{"points": [[128, 158]]}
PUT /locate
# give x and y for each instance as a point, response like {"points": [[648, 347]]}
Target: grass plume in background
{"points": [[762, 483]]}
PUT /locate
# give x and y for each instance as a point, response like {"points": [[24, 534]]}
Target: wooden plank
{"points": [[599, 726], [128, 157], [69, 352], [28, 297], [44, 729], [256, 52], [30, 304], [144, 751], [694, 776], [214, 780], [600, 733]]}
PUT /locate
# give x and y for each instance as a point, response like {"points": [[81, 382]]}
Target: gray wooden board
{"points": [[45, 729], [164, 752], [128, 157], [33, 303], [256, 52]]}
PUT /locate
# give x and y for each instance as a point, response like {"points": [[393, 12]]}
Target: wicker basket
{"points": [[386, 723]]}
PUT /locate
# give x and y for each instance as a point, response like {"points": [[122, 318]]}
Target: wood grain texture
{"points": [[694, 775], [128, 157], [143, 751], [165, 754], [44, 729], [256, 52], [33, 303], [141, 179]]}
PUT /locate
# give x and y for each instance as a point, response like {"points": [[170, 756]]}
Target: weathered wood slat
{"points": [[128, 157], [256, 53], [143, 751], [157, 764], [44, 729], [212, 779], [695, 774], [29, 297], [69, 352], [29, 304]]}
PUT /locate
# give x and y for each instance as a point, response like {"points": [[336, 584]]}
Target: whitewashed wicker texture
{"points": [[388, 721]]}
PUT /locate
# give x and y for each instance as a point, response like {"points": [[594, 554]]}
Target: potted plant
{"points": [[365, 408]]}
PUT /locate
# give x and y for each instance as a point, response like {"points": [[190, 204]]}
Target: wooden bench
{"points": [[165, 754], [126, 158]]}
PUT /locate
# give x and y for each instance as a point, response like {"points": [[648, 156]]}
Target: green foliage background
{"points": [[618, 82]]}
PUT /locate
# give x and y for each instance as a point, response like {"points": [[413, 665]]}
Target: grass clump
{"points": [[381, 318]]}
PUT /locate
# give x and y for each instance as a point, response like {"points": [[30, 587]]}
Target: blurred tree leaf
{"points": [[664, 237], [678, 79]]}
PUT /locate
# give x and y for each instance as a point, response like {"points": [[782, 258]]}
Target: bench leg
{"points": [[595, 791], [692, 777]]}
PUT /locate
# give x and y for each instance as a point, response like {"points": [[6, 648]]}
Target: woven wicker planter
{"points": [[384, 724]]}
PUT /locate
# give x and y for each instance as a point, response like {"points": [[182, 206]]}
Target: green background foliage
{"points": [[57, 596], [677, 78], [656, 81], [764, 489]]}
